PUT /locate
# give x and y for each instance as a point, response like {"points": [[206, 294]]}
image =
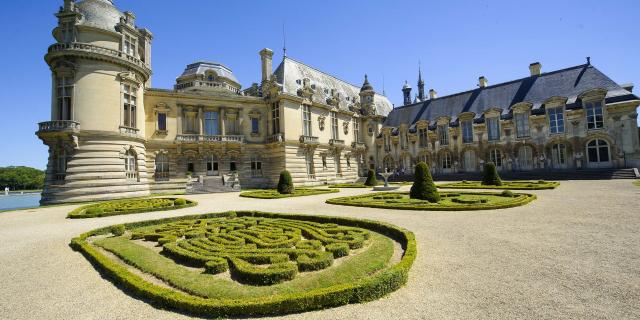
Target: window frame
{"points": [[493, 128], [131, 165], [523, 128], [129, 105], [335, 129], [467, 131], [446, 161], [275, 118], [556, 120], [591, 107], [443, 134], [356, 129], [495, 156], [307, 125]]}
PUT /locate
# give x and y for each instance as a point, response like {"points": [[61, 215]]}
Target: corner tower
{"points": [[100, 66]]}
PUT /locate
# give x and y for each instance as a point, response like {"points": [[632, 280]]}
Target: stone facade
{"points": [[112, 135]]}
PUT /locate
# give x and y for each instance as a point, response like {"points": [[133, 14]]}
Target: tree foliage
{"points": [[21, 178], [491, 177], [371, 179], [285, 184], [423, 187]]}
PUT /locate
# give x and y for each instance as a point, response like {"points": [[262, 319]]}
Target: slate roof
{"points": [[290, 73], [568, 83], [99, 14], [201, 67]]}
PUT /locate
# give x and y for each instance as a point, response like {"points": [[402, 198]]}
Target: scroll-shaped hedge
{"points": [[128, 206]]}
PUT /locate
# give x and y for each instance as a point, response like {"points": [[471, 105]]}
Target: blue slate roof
{"points": [[568, 83]]}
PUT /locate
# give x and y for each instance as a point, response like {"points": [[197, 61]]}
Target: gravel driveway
{"points": [[572, 254]]}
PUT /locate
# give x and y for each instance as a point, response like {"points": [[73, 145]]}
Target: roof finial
{"points": [[284, 42], [588, 60], [384, 93]]}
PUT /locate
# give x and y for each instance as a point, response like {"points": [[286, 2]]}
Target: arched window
{"points": [[598, 151], [130, 165], [162, 167], [559, 156], [445, 161], [469, 161], [525, 158], [388, 164], [495, 156]]}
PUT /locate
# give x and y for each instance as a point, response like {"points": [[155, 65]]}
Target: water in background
{"points": [[19, 201]]}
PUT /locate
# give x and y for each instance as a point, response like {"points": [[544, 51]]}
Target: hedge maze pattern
{"points": [[256, 250]]}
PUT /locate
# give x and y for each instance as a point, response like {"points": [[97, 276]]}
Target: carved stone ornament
{"points": [[321, 119], [345, 127], [334, 99], [306, 91]]}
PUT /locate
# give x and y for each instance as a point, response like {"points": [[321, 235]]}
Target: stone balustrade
{"points": [[205, 138], [309, 140], [58, 125], [275, 138], [90, 48], [336, 142]]}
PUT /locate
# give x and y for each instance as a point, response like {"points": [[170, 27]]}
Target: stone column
{"points": [[179, 120], [223, 119], [200, 120]]}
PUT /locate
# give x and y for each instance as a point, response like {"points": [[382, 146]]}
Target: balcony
{"points": [[90, 49], [58, 125], [309, 140], [275, 138], [336, 142], [358, 146], [194, 138]]}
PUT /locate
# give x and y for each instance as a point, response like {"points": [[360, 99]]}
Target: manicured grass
{"points": [[349, 185], [637, 183], [274, 194], [450, 201], [222, 264], [129, 206], [507, 185]]}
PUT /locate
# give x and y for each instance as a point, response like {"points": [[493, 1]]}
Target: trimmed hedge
{"points": [[371, 179], [423, 187], [490, 175], [119, 207], [361, 290], [274, 194], [285, 184], [508, 185], [392, 201]]}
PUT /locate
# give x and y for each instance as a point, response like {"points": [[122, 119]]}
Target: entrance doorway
{"points": [[213, 166]]}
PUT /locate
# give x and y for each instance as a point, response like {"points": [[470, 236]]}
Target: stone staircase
{"points": [[584, 174], [214, 184]]}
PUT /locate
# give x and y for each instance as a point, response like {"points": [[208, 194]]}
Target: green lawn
{"points": [[507, 185], [450, 201], [274, 194]]}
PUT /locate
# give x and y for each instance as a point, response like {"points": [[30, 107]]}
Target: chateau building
{"points": [[112, 135]]}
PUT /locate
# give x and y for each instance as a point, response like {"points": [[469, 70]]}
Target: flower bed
{"points": [[256, 258], [449, 201], [118, 207], [274, 194], [507, 185]]}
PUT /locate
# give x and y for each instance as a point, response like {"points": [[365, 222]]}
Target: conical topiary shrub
{"points": [[491, 177], [423, 187], [371, 179], [285, 185]]}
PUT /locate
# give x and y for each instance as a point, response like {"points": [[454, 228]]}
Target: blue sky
{"points": [[456, 41]]}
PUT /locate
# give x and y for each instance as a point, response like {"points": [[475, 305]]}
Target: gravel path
{"points": [[572, 254]]}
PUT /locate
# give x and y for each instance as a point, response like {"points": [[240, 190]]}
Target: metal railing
{"points": [[58, 125]]}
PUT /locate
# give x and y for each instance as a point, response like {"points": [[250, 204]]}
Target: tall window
{"points": [[403, 140], [67, 31], [275, 118], [595, 120], [356, 129], [422, 137], [130, 45], [162, 121], [256, 166], [525, 158], [64, 96], [61, 165], [493, 128], [495, 156], [306, 120], [311, 170], [556, 120], [559, 155], [130, 165], [443, 134], [467, 131], [387, 143], [162, 167], [130, 102], [335, 133], [522, 125], [211, 123], [598, 151], [469, 161], [255, 125], [445, 161]]}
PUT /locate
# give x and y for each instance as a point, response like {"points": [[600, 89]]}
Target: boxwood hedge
{"points": [[361, 290], [118, 207]]}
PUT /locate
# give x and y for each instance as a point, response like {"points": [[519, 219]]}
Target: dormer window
{"points": [[210, 77], [556, 120], [595, 118], [129, 46]]}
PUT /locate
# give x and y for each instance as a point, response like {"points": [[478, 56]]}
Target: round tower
{"points": [[406, 92], [100, 66]]}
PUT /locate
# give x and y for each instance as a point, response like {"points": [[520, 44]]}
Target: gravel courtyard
{"points": [[572, 254]]}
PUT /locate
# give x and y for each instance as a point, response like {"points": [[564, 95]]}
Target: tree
{"points": [[423, 187], [371, 179], [285, 184], [21, 178], [490, 176]]}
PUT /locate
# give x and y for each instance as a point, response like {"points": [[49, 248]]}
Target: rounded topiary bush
{"points": [[117, 230], [285, 184], [371, 179], [491, 177], [179, 202], [507, 193], [423, 187]]}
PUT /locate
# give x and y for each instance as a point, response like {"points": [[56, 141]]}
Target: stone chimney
{"points": [[482, 82], [266, 58], [432, 94], [535, 68]]}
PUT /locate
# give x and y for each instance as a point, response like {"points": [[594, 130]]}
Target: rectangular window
{"points": [[522, 125], [467, 131], [387, 143], [335, 134], [275, 118], [595, 119], [64, 97], [356, 130], [306, 120], [211, 123], [129, 100], [422, 137], [443, 134], [493, 128], [311, 171], [256, 167], [162, 122], [255, 125], [556, 120], [67, 31], [129, 45]]}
